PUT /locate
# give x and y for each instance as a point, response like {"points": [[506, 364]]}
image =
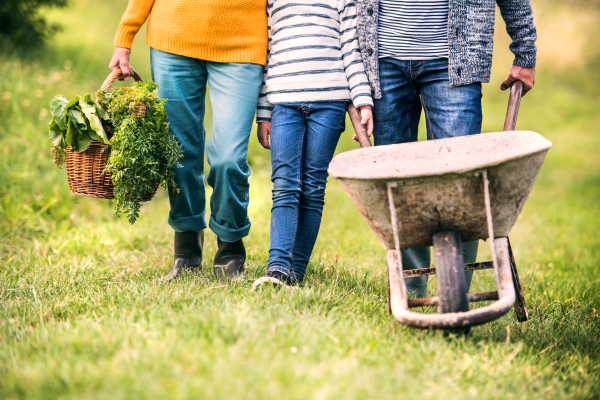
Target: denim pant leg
{"points": [[288, 130], [451, 112], [182, 81], [325, 123], [396, 120], [233, 95], [396, 115]]}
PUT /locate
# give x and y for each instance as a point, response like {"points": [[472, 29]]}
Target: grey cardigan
{"points": [[470, 38]]}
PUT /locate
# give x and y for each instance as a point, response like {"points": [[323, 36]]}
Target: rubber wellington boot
{"points": [[229, 260], [188, 254]]}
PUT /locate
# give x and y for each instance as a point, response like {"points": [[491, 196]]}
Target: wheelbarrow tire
{"points": [[450, 272]]}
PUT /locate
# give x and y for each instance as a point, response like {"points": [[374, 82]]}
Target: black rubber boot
{"points": [[188, 254], [229, 260]]}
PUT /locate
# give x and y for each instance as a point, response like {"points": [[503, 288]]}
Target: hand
{"points": [[263, 132], [525, 75], [366, 119], [120, 59]]}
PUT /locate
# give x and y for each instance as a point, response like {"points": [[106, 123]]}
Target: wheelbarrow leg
{"points": [[450, 273], [520, 304]]}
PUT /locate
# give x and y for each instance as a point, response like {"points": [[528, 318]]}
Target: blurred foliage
{"points": [[22, 25]]}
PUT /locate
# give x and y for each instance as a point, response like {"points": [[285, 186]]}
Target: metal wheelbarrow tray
{"points": [[442, 192]]}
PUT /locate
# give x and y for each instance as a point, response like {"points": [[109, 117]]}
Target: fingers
{"points": [[263, 132], [114, 62], [367, 120], [125, 68], [355, 138], [506, 84], [528, 85], [370, 127]]}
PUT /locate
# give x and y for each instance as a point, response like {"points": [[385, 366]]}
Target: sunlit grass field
{"points": [[82, 315]]}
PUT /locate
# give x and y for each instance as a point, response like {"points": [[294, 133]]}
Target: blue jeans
{"points": [[233, 94], [407, 87], [303, 139]]}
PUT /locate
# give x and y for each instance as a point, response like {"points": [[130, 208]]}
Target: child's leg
{"points": [[288, 131], [325, 123]]}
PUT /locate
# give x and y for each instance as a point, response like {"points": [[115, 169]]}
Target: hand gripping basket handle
{"points": [[512, 112], [360, 129], [115, 74]]}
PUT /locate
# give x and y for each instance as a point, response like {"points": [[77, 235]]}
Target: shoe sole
{"points": [[274, 281]]}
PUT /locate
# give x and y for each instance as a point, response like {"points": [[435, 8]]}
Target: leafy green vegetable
{"points": [[143, 149], [75, 123]]}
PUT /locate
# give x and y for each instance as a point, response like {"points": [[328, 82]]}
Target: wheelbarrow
{"points": [[442, 193]]}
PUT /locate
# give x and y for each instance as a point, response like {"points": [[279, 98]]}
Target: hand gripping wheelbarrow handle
{"points": [[510, 122], [360, 129]]}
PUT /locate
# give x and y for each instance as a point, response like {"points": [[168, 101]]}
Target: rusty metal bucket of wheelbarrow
{"points": [[441, 193]]}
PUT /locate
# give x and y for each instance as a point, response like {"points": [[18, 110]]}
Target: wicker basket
{"points": [[85, 169]]}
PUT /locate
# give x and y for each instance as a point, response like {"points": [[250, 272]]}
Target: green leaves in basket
{"points": [[75, 123], [143, 148]]}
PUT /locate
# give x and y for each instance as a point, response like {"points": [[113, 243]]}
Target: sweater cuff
{"points": [[525, 60], [124, 37]]}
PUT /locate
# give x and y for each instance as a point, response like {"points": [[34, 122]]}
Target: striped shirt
{"points": [[413, 29], [313, 55]]}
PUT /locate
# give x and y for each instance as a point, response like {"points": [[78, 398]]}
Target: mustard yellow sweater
{"points": [[228, 31]]}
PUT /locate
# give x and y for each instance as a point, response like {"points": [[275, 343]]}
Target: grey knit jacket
{"points": [[470, 38]]}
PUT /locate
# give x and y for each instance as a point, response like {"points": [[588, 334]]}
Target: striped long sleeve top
{"points": [[313, 55]]}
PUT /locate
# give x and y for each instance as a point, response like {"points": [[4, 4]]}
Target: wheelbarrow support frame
{"points": [[501, 259]]}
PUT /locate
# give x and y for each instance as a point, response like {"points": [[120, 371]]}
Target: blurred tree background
{"points": [[22, 22]]}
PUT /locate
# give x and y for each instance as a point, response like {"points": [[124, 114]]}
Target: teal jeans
{"points": [[233, 95]]}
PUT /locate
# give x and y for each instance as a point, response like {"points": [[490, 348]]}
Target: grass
{"points": [[82, 314]]}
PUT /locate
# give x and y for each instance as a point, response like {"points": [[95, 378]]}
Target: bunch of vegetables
{"points": [[133, 121]]}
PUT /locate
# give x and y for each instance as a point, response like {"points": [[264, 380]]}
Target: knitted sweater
{"points": [[313, 55], [470, 38], [227, 31]]}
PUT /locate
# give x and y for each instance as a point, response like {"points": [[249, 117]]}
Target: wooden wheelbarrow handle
{"points": [[516, 90], [514, 100]]}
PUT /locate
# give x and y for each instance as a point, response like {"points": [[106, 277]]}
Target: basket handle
{"points": [[115, 74], [512, 112]]}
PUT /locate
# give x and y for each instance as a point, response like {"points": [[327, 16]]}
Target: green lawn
{"points": [[83, 317]]}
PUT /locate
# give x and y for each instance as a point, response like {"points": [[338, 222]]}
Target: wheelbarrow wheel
{"points": [[450, 272]]}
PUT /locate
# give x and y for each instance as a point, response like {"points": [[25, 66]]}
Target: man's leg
{"points": [[396, 120], [182, 81], [396, 115], [233, 94], [325, 122], [450, 112]]}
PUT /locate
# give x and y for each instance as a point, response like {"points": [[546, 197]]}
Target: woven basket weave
{"points": [[85, 169]]}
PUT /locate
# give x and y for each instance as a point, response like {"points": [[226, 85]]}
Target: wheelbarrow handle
{"points": [[512, 112], [516, 91], [360, 129]]}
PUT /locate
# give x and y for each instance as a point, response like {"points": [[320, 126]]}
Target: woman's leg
{"points": [[233, 94], [325, 123], [288, 131], [182, 80]]}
